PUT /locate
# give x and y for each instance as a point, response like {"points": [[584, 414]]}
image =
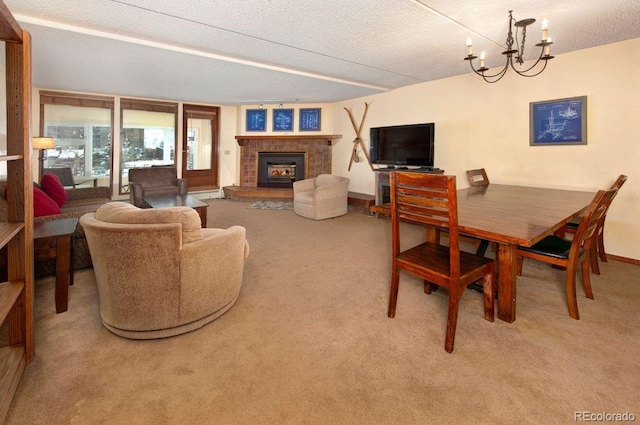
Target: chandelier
{"points": [[545, 46]]}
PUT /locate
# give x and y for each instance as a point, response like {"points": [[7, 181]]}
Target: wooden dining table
{"points": [[512, 216]]}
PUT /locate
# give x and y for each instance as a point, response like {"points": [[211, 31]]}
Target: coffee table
{"points": [[54, 240], [165, 201]]}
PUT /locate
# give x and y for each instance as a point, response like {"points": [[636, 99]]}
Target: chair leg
{"points": [[601, 251], [393, 295], [452, 321], [593, 258], [429, 287], [519, 265], [488, 289], [482, 247], [571, 291], [586, 278]]}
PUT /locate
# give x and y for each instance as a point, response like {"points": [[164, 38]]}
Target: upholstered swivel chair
{"points": [[158, 272], [154, 181], [322, 197]]}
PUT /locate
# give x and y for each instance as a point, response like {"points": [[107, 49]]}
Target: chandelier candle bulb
{"points": [[545, 29], [482, 59], [469, 48], [547, 48]]}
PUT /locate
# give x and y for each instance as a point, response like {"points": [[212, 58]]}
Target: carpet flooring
{"points": [[309, 342]]}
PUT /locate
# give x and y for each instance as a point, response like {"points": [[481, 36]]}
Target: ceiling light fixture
{"points": [[545, 47]]}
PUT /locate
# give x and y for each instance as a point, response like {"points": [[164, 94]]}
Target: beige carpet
{"points": [[309, 342]]}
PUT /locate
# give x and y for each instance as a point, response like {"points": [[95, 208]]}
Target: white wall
{"points": [[487, 125]]}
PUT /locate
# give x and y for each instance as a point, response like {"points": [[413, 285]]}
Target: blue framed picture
{"points": [[558, 122], [283, 120], [310, 119], [256, 119]]}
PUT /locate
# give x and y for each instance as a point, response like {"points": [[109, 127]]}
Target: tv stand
{"points": [[383, 187]]}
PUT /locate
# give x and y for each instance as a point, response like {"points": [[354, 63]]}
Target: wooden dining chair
{"points": [[570, 254], [598, 248], [432, 200], [64, 175], [478, 177]]}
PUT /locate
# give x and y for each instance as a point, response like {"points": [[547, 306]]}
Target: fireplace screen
{"points": [[280, 169], [278, 172]]}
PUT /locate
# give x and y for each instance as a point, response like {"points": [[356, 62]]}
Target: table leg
{"points": [[202, 212], [507, 282], [63, 270]]}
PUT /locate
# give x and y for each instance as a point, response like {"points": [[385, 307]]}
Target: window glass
{"points": [[83, 141], [199, 143], [148, 139]]}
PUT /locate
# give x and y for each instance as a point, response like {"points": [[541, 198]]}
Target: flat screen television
{"points": [[402, 145]]}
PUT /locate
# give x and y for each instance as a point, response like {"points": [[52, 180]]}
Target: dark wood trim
{"points": [[10, 30], [149, 105], [202, 178], [361, 200], [76, 99], [80, 100], [624, 259], [329, 137]]}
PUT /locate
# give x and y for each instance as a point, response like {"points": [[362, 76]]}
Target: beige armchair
{"points": [[154, 181], [173, 277], [322, 197]]}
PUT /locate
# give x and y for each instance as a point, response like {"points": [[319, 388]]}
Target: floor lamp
{"points": [[43, 143]]}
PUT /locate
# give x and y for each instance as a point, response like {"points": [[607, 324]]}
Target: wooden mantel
{"points": [[242, 139]]}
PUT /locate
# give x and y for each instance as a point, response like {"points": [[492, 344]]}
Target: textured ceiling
{"points": [[311, 51]]}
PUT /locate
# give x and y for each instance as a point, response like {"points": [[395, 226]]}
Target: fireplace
{"points": [[316, 151], [280, 169]]}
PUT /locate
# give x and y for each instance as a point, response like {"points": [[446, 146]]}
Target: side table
{"points": [[54, 240]]}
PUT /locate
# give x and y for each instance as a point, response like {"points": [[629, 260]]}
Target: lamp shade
{"points": [[43, 143]]}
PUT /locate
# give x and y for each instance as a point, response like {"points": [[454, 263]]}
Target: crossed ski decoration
{"points": [[358, 141]]}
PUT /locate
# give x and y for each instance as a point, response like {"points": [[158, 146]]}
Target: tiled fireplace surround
{"points": [[317, 149]]}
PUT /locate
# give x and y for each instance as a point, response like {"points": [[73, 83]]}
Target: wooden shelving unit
{"points": [[16, 295]]}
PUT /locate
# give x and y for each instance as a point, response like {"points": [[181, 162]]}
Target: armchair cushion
{"points": [[124, 213], [43, 205], [50, 184]]}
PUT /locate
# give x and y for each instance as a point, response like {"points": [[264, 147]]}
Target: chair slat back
{"points": [[616, 185], [64, 175], [430, 199], [619, 182], [478, 177], [592, 219]]}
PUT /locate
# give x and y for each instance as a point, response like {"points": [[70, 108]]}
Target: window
{"points": [[82, 127], [148, 136]]}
